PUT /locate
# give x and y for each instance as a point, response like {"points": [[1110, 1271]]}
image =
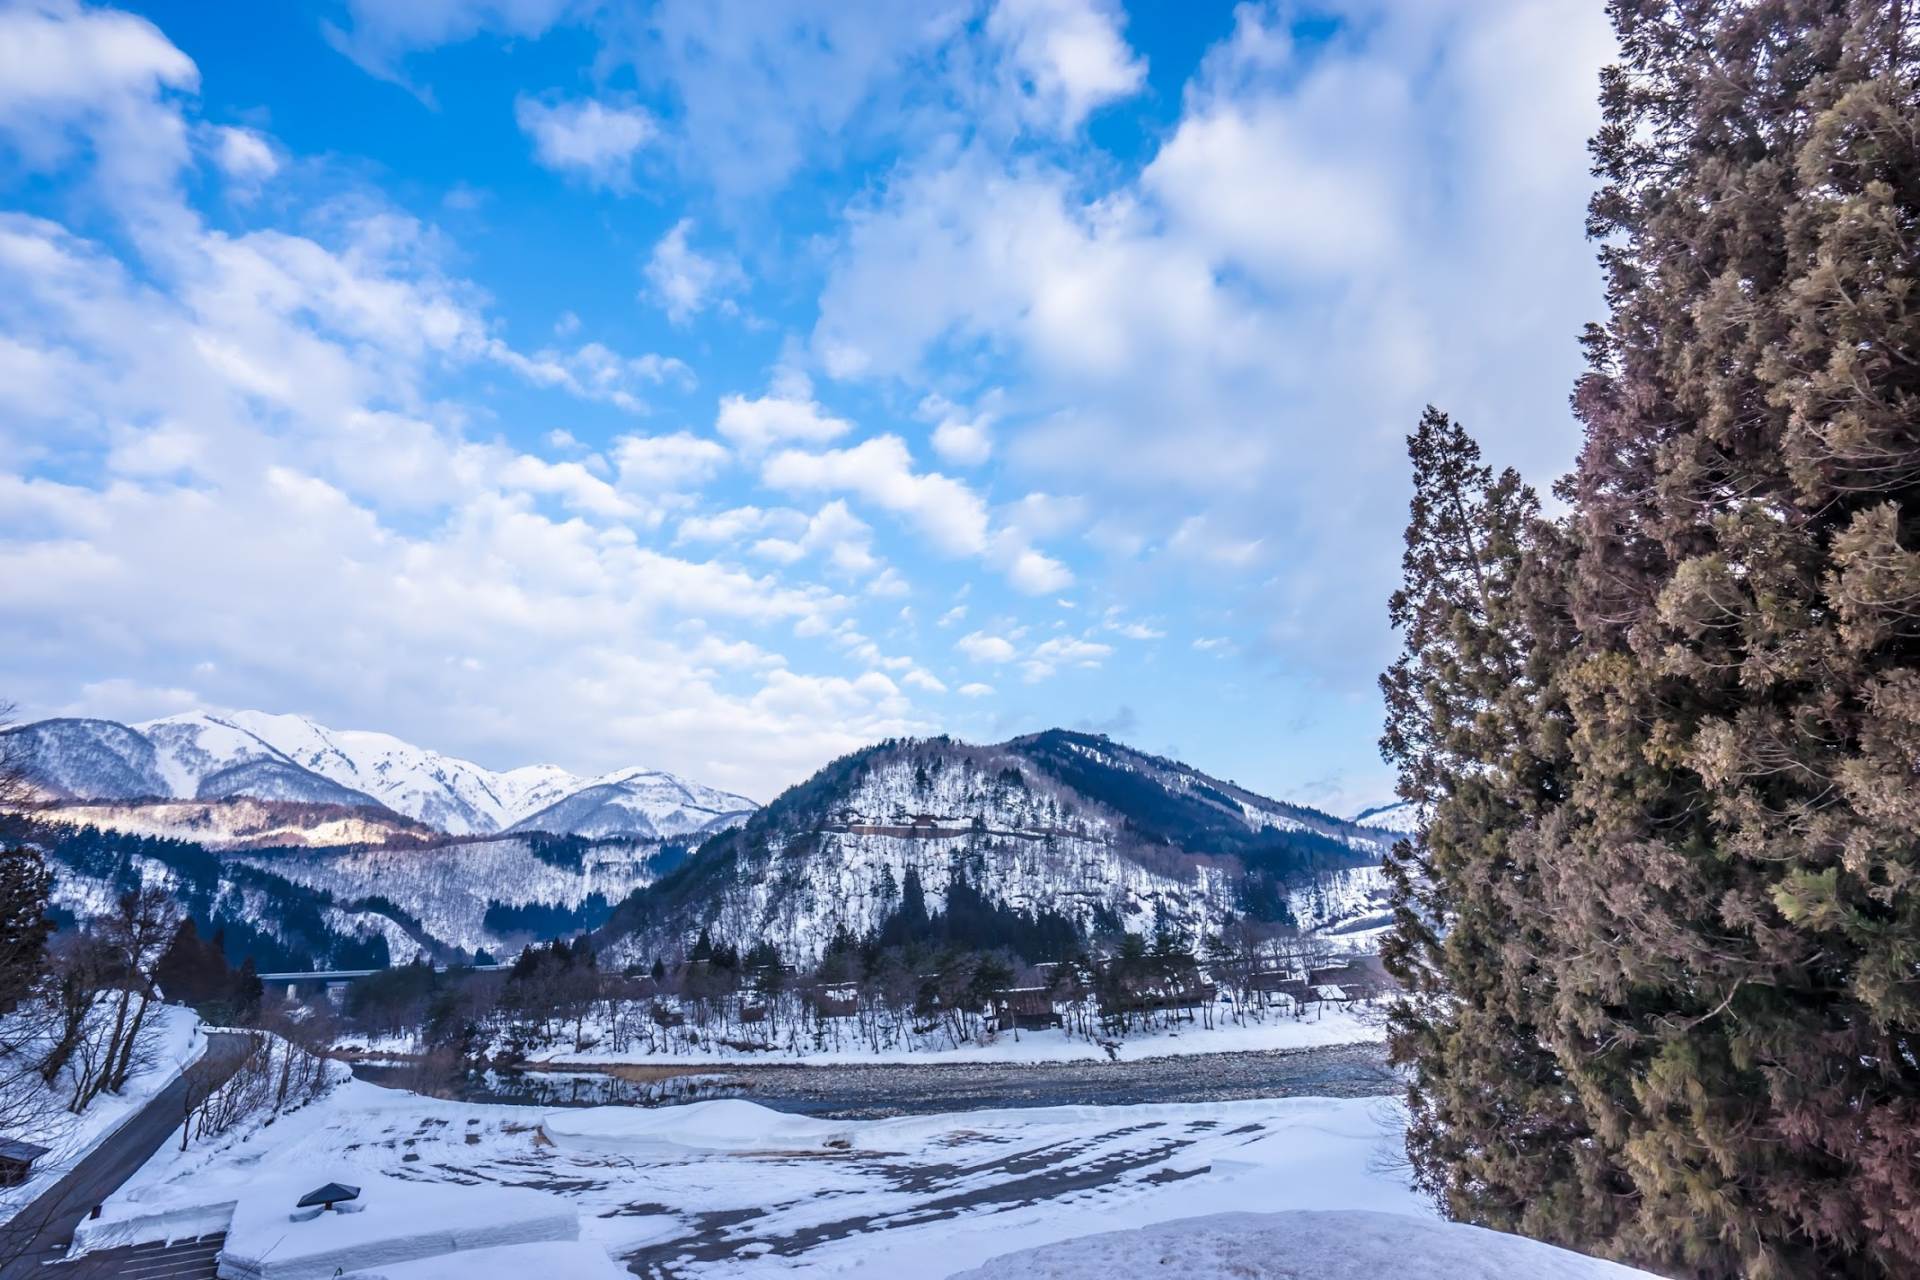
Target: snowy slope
{"points": [[201, 755], [1398, 818]]}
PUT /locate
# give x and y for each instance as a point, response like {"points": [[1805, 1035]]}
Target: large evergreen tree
{"points": [[1707, 834], [1740, 994]]}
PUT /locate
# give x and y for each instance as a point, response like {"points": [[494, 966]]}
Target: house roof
{"points": [[25, 1152]]}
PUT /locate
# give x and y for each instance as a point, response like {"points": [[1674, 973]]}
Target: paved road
{"points": [[54, 1215]]}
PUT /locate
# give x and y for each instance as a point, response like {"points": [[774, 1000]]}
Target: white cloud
{"points": [[379, 34], [726, 526], [594, 140], [953, 615], [593, 371], [763, 88], [666, 463], [684, 281], [245, 156], [964, 441], [982, 647], [74, 79], [1115, 621], [1223, 351], [834, 532], [789, 412], [1067, 58], [1064, 651], [975, 690], [881, 471], [923, 680], [1199, 538]]}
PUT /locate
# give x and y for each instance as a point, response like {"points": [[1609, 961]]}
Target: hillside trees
{"points": [[1668, 867]]}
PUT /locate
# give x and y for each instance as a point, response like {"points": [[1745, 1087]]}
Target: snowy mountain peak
{"points": [[208, 755]]}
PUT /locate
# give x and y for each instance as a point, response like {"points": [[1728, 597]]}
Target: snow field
{"points": [[1322, 1245]]}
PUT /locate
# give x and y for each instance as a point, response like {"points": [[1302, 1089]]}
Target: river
{"points": [[872, 1092]]}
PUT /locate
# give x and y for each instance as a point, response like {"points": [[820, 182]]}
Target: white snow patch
{"points": [[558, 1260], [725, 1124], [400, 1222]]}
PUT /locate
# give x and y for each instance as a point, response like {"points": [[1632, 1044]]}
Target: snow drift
{"points": [[1302, 1245]]}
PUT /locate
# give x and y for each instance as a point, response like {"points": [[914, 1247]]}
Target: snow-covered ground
{"points": [[1325, 1025], [176, 1043], [731, 1189], [1326, 1245]]}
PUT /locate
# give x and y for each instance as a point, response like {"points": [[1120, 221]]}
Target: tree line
{"points": [[1658, 927]]}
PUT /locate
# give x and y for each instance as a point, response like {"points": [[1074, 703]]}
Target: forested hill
{"points": [[1058, 823]]}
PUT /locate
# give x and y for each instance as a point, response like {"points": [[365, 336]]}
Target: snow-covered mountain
{"points": [[205, 756], [1068, 823]]}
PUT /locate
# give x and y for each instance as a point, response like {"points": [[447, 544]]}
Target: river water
{"points": [[878, 1091]]}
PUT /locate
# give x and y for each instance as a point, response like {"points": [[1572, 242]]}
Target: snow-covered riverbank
{"points": [[1328, 1025]]}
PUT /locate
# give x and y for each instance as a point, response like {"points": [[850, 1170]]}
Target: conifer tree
{"points": [[1494, 1133], [1737, 994]]}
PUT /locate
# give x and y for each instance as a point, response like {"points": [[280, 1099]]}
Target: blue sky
{"points": [[723, 385]]}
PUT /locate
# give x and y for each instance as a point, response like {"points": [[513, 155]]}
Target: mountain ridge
{"points": [[207, 756], [1066, 823]]}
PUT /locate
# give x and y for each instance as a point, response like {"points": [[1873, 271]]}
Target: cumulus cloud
{"points": [[586, 138], [245, 156], [881, 472], [834, 532], [685, 282], [959, 438], [983, 647], [1065, 58], [74, 79], [1223, 349], [667, 463], [788, 412]]}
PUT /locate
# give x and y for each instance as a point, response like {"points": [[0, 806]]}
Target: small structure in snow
{"points": [[328, 1196], [16, 1160], [1027, 1008]]}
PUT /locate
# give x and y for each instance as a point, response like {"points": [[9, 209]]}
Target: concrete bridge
{"points": [[335, 980]]}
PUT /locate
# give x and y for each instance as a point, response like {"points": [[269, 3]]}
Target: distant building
{"points": [[1027, 1008]]}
